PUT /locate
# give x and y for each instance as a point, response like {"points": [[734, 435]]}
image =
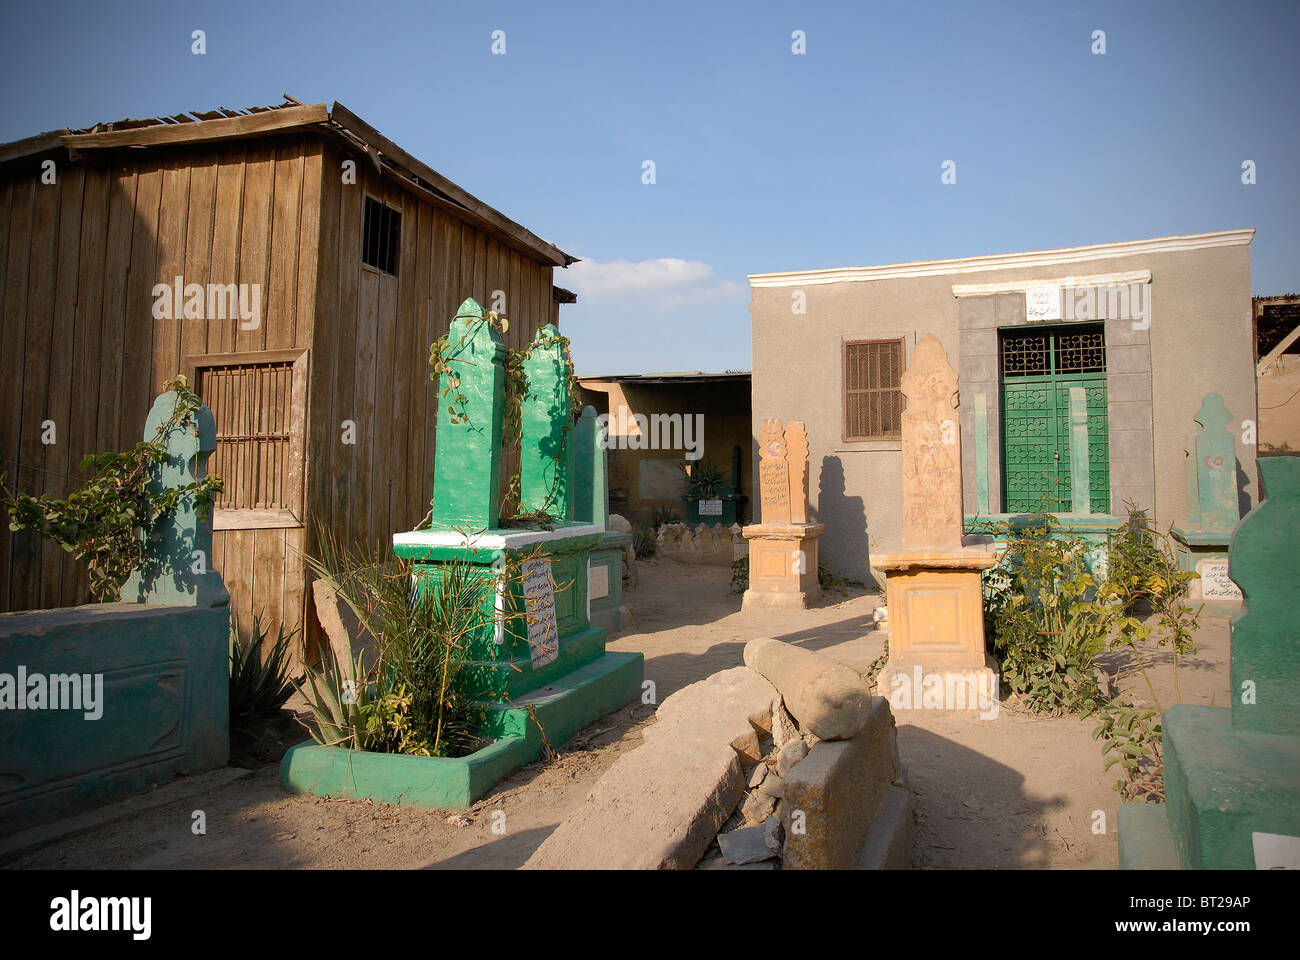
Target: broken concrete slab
{"points": [[661, 805], [823, 695], [657, 808], [732, 706]]}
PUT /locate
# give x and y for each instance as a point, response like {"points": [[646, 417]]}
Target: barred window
{"points": [[258, 402], [381, 234], [873, 400]]}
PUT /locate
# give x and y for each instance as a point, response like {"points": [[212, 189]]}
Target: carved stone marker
{"points": [[783, 547], [931, 451], [796, 442], [773, 475], [936, 615]]}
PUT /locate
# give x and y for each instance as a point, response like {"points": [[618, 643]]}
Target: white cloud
{"points": [[667, 281]]}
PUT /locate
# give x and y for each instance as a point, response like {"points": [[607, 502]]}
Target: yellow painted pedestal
{"points": [[936, 630]]}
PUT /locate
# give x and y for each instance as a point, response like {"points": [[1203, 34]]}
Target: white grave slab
{"points": [[539, 611], [710, 508], [1215, 582]]}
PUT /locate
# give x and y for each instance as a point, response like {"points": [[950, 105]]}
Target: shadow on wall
{"points": [[844, 544], [1243, 497]]}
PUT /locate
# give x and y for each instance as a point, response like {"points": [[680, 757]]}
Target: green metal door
{"points": [[1039, 367]]}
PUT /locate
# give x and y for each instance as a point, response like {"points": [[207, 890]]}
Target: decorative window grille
{"points": [[873, 400], [258, 401]]}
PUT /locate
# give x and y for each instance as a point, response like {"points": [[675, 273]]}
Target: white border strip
{"points": [[1020, 286], [492, 541], [1004, 261]]}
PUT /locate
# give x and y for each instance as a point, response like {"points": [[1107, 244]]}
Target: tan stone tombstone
{"points": [[936, 615], [932, 502], [783, 547], [796, 455], [773, 475]]}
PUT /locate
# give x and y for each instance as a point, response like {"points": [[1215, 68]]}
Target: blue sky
{"points": [[764, 160]]}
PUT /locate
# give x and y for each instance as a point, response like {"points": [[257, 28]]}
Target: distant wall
{"points": [[642, 480], [1279, 406], [1199, 342]]}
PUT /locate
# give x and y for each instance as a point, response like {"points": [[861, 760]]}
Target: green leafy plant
{"points": [[644, 541], [740, 574], [702, 478], [111, 522], [1037, 602], [1051, 616], [412, 699], [259, 681], [661, 515]]}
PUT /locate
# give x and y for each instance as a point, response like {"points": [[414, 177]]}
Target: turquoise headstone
{"points": [[179, 571], [467, 458], [1264, 562], [546, 450], [590, 488], [1216, 468]]}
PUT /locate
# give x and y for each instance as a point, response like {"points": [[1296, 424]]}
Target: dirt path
{"points": [[1009, 792]]}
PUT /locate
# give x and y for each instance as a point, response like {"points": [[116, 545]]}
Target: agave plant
{"points": [[259, 684]]}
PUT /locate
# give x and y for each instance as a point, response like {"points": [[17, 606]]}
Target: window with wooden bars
{"points": [[381, 233], [873, 400], [258, 401]]}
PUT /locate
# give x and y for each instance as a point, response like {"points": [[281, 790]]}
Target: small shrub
{"points": [[644, 541], [662, 515], [740, 574], [259, 682]]}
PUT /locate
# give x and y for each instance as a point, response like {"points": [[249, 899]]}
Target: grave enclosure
{"points": [[537, 657]]}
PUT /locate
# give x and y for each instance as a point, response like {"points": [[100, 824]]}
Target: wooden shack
{"points": [[296, 264]]}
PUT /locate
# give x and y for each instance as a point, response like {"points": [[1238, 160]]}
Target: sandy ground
{"points": [[1010, 792]]}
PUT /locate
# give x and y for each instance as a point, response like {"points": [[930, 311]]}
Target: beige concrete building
{"points": [[1137, 332]]}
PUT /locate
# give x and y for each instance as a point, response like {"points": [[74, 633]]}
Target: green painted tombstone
{"points": [[1216, 469], [471, 401], [537, 658], [1212, 511], [545, 471], [1232, 774], [179, 570]]}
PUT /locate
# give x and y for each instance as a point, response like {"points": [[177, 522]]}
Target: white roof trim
{"points": [[1004, 261], [1020, 286], [491, 541]]}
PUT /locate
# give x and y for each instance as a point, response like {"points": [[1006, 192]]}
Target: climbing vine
{"points": [[442, 356], [110, 522]]}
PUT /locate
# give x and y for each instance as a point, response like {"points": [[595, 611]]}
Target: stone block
{"points": [[824, 696], [832, 796], [889, 839]]}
